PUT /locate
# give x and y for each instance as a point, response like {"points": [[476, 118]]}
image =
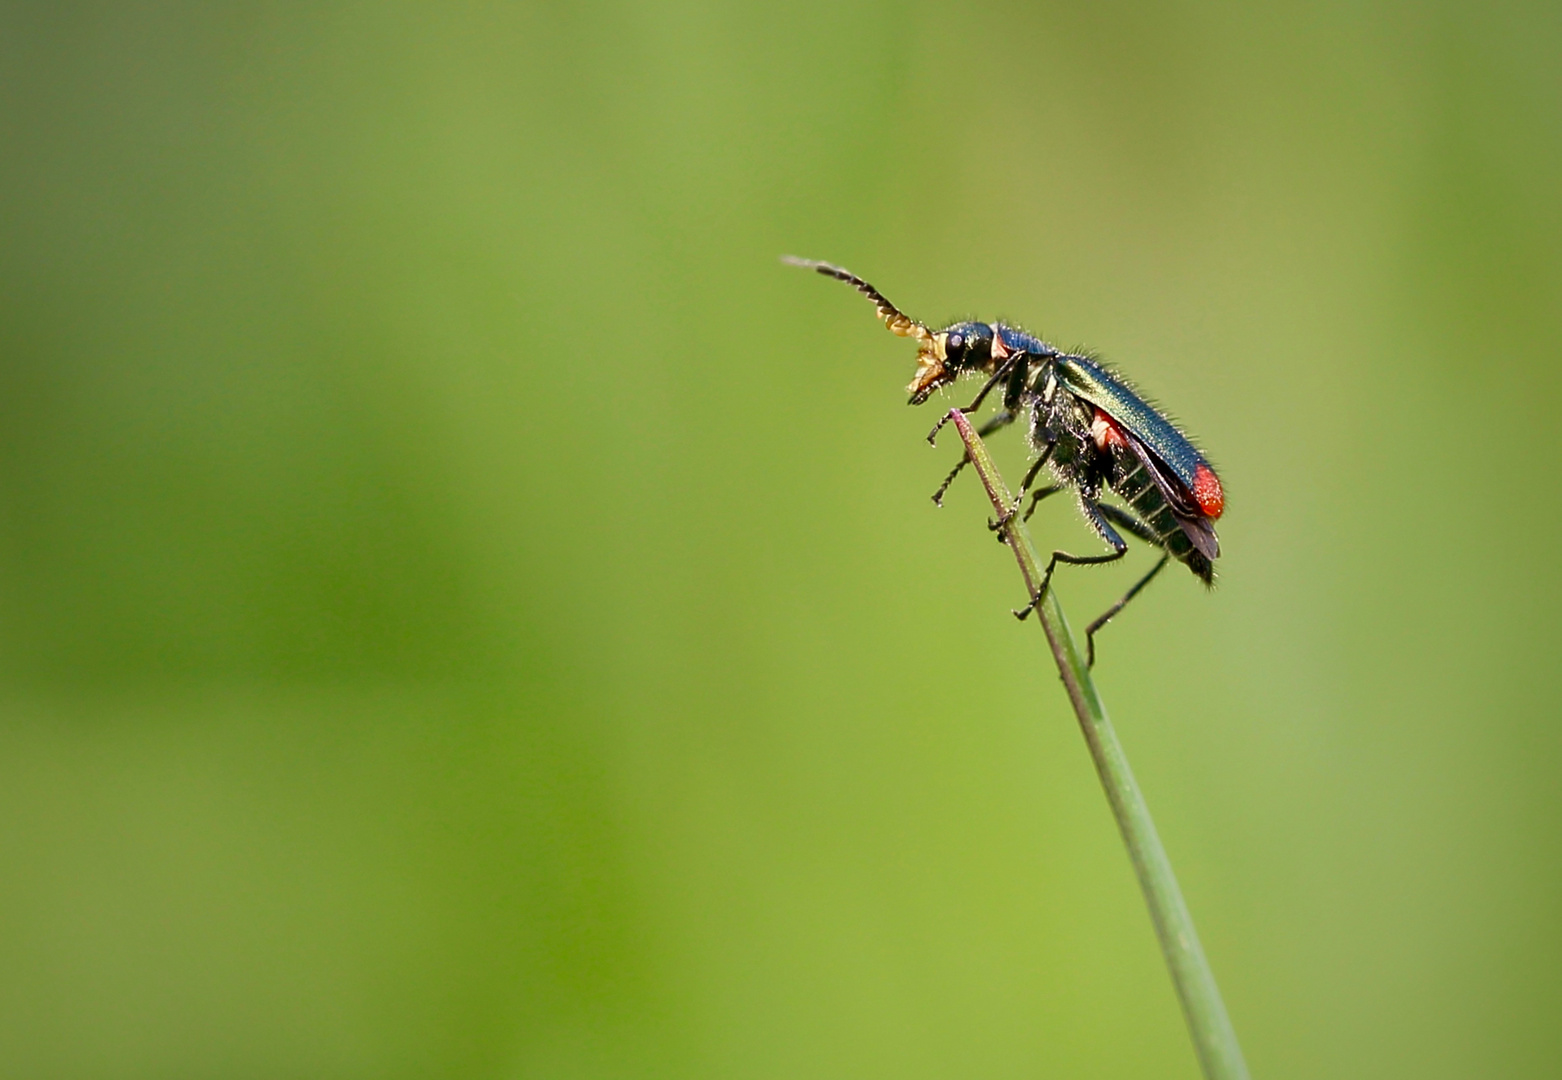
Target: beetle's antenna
{"points": [[898, 321]]}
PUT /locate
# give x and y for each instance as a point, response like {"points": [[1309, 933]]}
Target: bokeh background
{"points": [[467, 610]]}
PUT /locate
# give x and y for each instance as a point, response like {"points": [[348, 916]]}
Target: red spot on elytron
{"points": [[1207, 492], [1105, 432]]}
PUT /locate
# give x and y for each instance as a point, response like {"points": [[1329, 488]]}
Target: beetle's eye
{"points": [[954, 345]]}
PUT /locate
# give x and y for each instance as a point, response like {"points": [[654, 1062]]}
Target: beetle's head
{"points": [[948, 354]]}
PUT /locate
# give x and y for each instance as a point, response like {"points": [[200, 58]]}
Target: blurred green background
{"points": [[467, 610]]}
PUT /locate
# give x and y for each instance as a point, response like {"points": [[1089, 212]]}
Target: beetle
{"points": [[1093, 430]]}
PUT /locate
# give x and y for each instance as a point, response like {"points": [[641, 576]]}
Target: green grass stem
{"points": [[1202, 1007]]}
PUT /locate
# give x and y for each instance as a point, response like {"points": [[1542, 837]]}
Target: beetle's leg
{"points": [[1030, 477], [1037, 496], [997, 377], [1003, 369], [1090, 631], [1103, 526], [1014, 393], [1126, 521], [998, 420]]}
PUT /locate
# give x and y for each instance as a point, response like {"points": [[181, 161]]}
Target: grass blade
{"points": [[1213, 1036]]}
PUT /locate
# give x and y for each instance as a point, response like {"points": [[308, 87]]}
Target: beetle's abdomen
{"points": [[1137, 488]]}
